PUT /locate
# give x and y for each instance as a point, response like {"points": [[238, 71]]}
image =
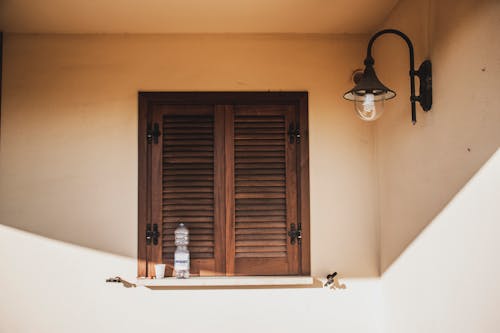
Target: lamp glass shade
{"points": [[369, 95], [369, 107]]}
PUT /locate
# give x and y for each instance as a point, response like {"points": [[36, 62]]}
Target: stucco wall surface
{"points": [[68, 186], [440, 180], [69, 131], [422, 167], [447, 279], [68, 178]]}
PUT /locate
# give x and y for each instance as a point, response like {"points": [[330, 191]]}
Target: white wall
{"points": [[447, 279], [52, 286]]}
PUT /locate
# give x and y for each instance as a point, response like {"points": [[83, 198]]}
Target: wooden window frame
{"points": [[148, 99]]}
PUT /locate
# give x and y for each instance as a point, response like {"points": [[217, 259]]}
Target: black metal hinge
{"points": [[293, 133], [153, 133], [152, 234], [295, 234]]}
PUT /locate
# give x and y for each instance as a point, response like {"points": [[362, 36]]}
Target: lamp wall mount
{"points": [[424, 74], [356, 76]]}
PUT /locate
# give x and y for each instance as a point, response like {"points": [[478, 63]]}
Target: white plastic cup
{"points": [[160, 271]]}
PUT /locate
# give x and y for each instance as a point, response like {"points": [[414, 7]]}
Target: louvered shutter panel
{"points": [[186, 186], [265, 190], [231, 173]]}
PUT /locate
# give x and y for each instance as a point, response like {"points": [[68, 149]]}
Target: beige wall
{"points": [[446, 280], [420, 168], [69, 172], [69, 131]]}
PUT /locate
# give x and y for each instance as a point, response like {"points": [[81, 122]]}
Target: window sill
{"points": [[230, 282]]}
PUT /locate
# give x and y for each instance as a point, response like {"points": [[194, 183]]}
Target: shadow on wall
{"points": [[74, 188], [422, 168], [68, 162], [449, 274], [461, 212]]}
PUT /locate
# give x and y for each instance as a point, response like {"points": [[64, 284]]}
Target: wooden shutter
{"points": [[229, 166], [186, 184], [264, 198]]}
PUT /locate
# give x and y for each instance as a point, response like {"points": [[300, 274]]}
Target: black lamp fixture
{"points": [[369, 93]]}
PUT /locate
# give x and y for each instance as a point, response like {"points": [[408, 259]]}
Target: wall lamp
{"points": [[369, 93]]}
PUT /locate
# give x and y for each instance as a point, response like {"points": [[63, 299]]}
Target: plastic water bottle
{"points": [[181, 256]]}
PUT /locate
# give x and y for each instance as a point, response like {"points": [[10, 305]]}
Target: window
{"points": [[233, 167]]}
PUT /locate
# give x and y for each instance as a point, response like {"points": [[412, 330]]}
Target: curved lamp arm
{"points": [[423, 72]]}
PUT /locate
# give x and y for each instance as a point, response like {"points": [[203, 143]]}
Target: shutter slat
{"points": [[184, 142], [261, 207], [261, 237], [187, 190], [260, 243], [258, 124], [261, 224], [193, 196], [192, 249], [197, 168], [180, 148], [260, 231], [187, 207], [189, 213], [184, 172], [189, 160], [189, 119], [241, 217], [199, 243], [188, 219], [258, 131], [256, 141], [179, 183], [258, 189], [253, 136], [206, 231], [260, 201], [261, 165], [187, 136], [267, 159], [188, 182], [191, 237], [259, 195], [188, 124], [259, 212], [189, 177], [256, 249], [260, 171], [260, 177], [253, 119], [171, 202], [240, 148], [190, 131], [261, 255], [191, 153], [260, 154]]}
